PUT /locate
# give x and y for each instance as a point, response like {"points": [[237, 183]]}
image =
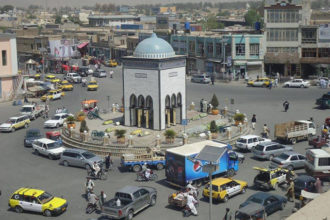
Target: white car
{"points": [[47, 147], [56, 121], [297, 83], [73, 77], [249, 141]]}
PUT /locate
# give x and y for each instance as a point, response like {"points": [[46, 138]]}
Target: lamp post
{"points": [[43, 52], [210, 168]]}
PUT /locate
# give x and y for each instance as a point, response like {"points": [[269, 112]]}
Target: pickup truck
{"points": [[33, 111], [135, 162], [294, 131], [133, 199]]}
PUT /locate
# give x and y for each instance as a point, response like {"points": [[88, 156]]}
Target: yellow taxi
{"points": [[223, 188], [36, 200], [113, 63], [52, 79], [37, 76], [261, 82], [270, 178], [65, 86], [53, 95], [92, 85], [15, 123]]}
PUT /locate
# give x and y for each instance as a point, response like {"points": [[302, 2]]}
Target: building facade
{"points": [[154, 85], [8, 66], [111, 20]]}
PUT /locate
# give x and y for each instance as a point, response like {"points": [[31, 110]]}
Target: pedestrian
{"points": [[228, 215], [254, 121], [103, 197], [276, 83], [270, 84], [257, 77], [111, 73], [318, 186], [201, 104], [108, 161], [290, 192], [26, 99], [286, 105], [46, 110], [265, 131], [212, 78]]}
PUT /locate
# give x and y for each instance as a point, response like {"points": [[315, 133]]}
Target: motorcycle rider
{"points": [[92, 200], [96, 168], [147, 173], [84, 82], [191, 203]]}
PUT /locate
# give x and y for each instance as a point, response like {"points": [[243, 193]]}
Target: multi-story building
{"points": [[111, 20], [8, 66], [221, 53]]}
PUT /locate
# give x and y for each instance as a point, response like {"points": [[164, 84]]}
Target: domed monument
{"points": [[154, 84]]}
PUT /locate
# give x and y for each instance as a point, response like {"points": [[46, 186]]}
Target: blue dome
{"points": [[153, 48]]}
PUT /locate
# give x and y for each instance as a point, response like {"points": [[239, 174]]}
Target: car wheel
{"points": [[88, 167], [50, 157], [225, 199], [293, 140], [36, 152], [18, 209], [12, 129], [130, 215], [271, 157], [286, 86], [66, 163], [47, 213], [160, 166], [230, 172], [153, 200], [243, 190], [137, 168]]}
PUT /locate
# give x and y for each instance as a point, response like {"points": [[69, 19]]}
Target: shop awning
{"points": [[254, 63], [82, 45], [238, 63]]}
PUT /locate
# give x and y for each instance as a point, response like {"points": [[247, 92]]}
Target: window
{"points": [[143, 192], [294, 158], [250, 141], [191, 46], [324, 161], [279, 34], [4, 58], [240, 49], [31, 46], [136, 195], [254, 49], [210, 48], [308, 52], [324, 52], [218, 49], [282, 16], [301, 157]]}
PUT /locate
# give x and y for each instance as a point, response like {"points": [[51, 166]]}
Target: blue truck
{"points": [[182, 167], [153, 159]]}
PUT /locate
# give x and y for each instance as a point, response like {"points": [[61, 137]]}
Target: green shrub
{"points": [[83, 126], [169, 133], [214, 102], [239, 117], [213, 127], [120, 133]]}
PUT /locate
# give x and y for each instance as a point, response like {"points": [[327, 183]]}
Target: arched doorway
{"points": [[148, 113], [173, 109], [179, 108], [140, 115], [168, 110], [132, 109]]}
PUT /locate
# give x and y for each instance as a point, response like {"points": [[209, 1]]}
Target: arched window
{"points": [[141, 101], [167, 102], [149, 102], [179, 99], [173, 101], [132, 101]]}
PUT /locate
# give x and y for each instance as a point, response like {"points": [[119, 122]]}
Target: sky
{"points": [[79, 3]]}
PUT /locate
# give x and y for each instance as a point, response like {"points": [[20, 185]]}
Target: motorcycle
{"points": [[88, 192], [141, 177], [187, 211], [91, 208], [102, 174]]}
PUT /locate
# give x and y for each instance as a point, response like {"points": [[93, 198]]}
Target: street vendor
{"points": [[192, 189]]}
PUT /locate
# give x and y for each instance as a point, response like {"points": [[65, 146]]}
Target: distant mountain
{"points": [[80, 3]]}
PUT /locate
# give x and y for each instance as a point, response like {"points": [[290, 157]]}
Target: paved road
{"points": [[20, 167]]}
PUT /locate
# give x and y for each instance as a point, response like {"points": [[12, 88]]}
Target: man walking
{"points": [[290, 192], [228, 215], [286, 106], [254, 121]]}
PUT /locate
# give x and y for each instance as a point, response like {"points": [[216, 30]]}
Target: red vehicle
{"points": [[55, 136], [319, 142], [327, 121]]}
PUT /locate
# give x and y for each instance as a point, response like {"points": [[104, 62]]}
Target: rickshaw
{"points": [[91, 109], [253, 211], [55, 136]]}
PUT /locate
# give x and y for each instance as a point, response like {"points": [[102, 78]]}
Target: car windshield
{"points": [[92, 83], [88, 155], [259, 147], [53, 145], [75, 75], [241, 140], [214, 187], [56, 117], [255, 200], [11, 121], [284, 156], [33, 134], [26, 109], [45, 197]]}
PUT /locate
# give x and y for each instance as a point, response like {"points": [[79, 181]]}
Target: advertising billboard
{"points": [[62, 48], [324, 33]]}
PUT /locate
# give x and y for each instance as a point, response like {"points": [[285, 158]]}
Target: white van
{"points": [[247, 142], [318, 162], [47, 147]]}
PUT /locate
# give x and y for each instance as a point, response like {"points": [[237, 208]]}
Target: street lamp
{"points": [[43, 52]]}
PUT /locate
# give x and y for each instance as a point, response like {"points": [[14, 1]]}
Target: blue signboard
{"points": [[184, 122]]}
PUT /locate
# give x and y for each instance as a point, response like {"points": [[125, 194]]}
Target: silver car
{"points": [[269, 150], [79, 158], [203, 78], [289, 160]]}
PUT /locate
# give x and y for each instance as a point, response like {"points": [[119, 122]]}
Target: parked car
{"points": [[30, 136], [100, 73], [47, 147], [52, 95], [304, 182], [270, 202], [261, 82], [223, 188], [56, 121], [269, 178], [92, 85], [297, 83], [36, 200], [79, 158], [247, 142], [201, 78], [269, 150], [15, 123], [133, 200], [73, 77], [289, 160]]}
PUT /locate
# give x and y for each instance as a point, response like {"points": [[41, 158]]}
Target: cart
{"points": [[91, 109], [177, 202]]}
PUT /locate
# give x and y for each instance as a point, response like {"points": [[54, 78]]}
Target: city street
{"points": [[21, 168]]}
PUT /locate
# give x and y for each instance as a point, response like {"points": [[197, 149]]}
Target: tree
{"points": [[7, 8], [58, 19], [212, 23], [214, 102], [252, 17]]}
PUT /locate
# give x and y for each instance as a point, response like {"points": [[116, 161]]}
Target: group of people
{"points": [[323, 83], [61, 110]]}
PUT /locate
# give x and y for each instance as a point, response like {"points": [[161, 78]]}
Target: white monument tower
{"points": [[154, 85]]}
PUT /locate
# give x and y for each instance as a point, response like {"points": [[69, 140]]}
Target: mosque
{"points": [[154, 85]]}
